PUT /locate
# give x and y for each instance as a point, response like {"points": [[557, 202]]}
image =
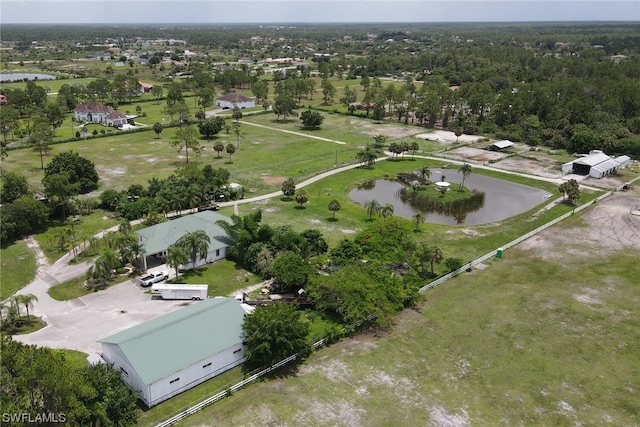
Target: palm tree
{"points": [[373, 207], [26, 300], [425, 173], [414, 147], [436, 257], [417, 220], [177, 256], [334, 206], [301, 197], [196, 244], [466, 171], [134, 250], [367, 156], [230, 150], [218, 146], [125, 226], [289, 187], [387, 210], [192, 197]]}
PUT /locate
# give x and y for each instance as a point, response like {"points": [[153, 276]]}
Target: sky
{"points": [[311, 11]]}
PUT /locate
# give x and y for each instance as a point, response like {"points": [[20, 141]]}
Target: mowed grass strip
{"points": [[17, 268], [510, 345]]}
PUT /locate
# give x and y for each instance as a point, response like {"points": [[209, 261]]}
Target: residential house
{"points": [[96, 112], [232, 100], [157, 239]]}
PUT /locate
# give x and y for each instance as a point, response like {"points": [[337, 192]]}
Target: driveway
{"points": [[78, 324]]}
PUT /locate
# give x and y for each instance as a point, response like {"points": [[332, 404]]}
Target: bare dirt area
{"points": [[476, 154], [108, 174], [540, 167], [273, 180], [611, 228], [389, 131], [447, 137]]}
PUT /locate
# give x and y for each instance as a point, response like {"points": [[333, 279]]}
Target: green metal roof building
{"points": [[175, 352], [158, 238]]}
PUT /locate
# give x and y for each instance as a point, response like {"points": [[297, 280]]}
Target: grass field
{"points": [[534, 339], [17, 268], [352, 217], [223, 277]]}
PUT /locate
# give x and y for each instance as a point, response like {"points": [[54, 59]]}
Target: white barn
{"points": [[232, 100], [175, 352], [157, 239], [596, 164]]}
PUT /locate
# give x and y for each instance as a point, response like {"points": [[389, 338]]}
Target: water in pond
{"points": [[18, 77], [503, 199]]}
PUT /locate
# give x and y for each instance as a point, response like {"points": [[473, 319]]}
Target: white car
{"points": [[154, 277]]}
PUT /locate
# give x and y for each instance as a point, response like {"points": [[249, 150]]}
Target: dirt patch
{"points": [[540, 167], [447, 137], [611, 228], [476, 154], [107, 174], [41, 260], [443, 418], [273, 180]]}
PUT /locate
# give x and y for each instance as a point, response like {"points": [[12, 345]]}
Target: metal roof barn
{"points": [[175, 352]]}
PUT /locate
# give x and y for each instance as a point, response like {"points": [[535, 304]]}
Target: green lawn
{"points": [[223, 277], [515, 344], [87, 226], [352, 217], [17, 268]]}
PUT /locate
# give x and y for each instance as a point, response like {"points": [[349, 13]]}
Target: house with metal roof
{"points": [[596, 164], [170, 354], [157, 239], [232, 100]]}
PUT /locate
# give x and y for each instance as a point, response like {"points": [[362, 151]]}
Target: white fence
{"points": [[193, 409]]}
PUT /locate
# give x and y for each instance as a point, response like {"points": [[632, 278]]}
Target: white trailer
{"points": [[180, 291]]}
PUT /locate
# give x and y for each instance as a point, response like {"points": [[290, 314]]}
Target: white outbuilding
{"points": [[596, 164], [170, 354]]}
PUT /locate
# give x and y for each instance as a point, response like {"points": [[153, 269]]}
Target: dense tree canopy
{"points": [[274, 332], [81, 171], [36, 380]]}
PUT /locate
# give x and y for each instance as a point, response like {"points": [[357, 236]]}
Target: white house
{"points": [[170, 354], [157, 239], [232, 100], [96, 112], [596, 164]]}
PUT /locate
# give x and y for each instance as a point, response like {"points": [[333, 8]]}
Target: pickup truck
{"points": [[154, 277]]}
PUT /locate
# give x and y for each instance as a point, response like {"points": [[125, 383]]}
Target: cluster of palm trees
{"points": [[187, 249], [122, 247], [10, 315], [374, 207], [398, 148]]}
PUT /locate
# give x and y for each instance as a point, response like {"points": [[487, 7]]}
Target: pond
{"points": [[18, 77], [503, 199]]}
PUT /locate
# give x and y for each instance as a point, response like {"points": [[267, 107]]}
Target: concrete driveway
{"points": [[78, 324]]}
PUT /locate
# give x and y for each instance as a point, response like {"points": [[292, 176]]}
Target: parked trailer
{"points": [[179, 291]]}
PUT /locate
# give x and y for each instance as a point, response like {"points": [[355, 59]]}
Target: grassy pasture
{"points": [[352, 217], [509, 345], [17, 268]]}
